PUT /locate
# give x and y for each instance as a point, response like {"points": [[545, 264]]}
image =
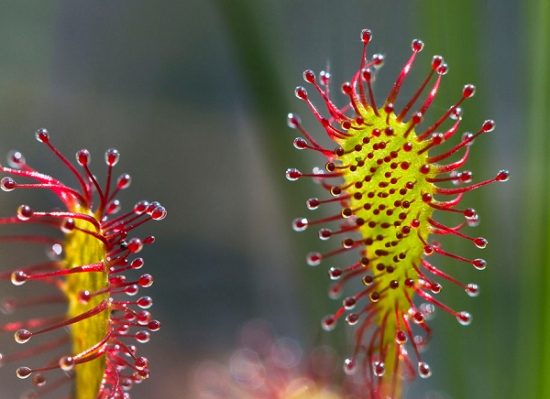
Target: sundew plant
{"points": [[388, 175], [92, 343]]}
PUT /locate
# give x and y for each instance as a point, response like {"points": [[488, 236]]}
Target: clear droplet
{"points": [[424, 370], [350, 366], [464, 318], [378, 369], [299, 224]]}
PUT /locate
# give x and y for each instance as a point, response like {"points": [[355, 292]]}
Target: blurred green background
{"points": [[194, 94]]}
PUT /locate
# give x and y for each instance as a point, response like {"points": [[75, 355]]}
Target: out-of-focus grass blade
{"points": [[533, 349]]}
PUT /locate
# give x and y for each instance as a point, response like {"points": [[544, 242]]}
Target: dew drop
{"points": [[23, 372], [443, 69], [299, 143], [111, 157], [479, 264], [135, 245], [143, 337], [378, 369], [480, 242], [154, 325], [299, 224], [350, 366], [503, 175], [124, 181], [417, 45], [312, 203], [55, 252], [472, 290], [400, 337], [145, 302], [39, 380], [84, 296], [464, 318], [137, 263], [335, 273], [42, 135], [424, 370], [335, 291], [418, 318], [314, 259], [145, 280], [19, 277], [349, 303], [131, 290], [301, 93], [468, 91], [141, 363], [24, 212], [143, 318], [141, 207], [68, 225], [352, 319], [83, 157], [7, 184], [22, 336], [366, 36], [293, 174], [328, 323], [325, 234], [158, 213], [456, 113], [488, 126], [378, 60], [16, 160], [293, 121], [113, 207]]}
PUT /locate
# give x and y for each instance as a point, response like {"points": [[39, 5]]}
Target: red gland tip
{"points": [[366, 36], [424, 370], [299, 224], [300, 144], [464, 318], [309, 76], [437, 60], [443, 69], [83, 157], [328, 323], [293, 174], [350, 366], [19, 277], [503, 175], [16, 160], [124, 181], [22, 336], [24, 212], [301, 93], [378, 60], [42, 135], [23, 372], [293, 121], [111, 157], [7, 184], [468, 91], [488, 126], [378, 369], [314, 259], [417, 45]]}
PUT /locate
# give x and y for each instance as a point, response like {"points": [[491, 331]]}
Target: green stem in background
{"points": [[260, 62], [533, 355]]}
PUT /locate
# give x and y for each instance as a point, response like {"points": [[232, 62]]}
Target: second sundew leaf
{"points": [[388, 182]]}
